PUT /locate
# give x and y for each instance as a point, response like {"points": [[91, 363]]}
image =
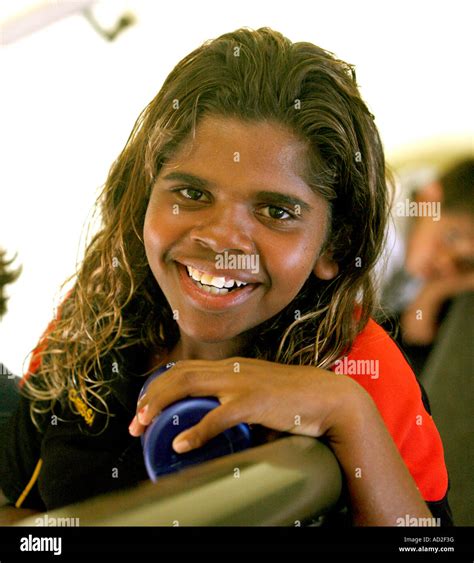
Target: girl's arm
{"points": [[301, 400], [380, 486]]}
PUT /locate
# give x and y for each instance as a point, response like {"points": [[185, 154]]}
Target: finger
{"points": [[136, 429], [214, 423], [188, 382], [178, 376]]}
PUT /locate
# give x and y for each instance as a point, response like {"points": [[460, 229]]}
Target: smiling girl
{"points": [[258, 148]]}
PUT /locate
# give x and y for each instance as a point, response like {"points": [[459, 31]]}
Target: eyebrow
{"points": [[274, 197]]}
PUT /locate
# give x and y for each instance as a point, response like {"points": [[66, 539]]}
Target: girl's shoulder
{"points": [[374, 355]]}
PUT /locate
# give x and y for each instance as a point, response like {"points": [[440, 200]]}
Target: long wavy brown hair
{"points": [[116, 303]]}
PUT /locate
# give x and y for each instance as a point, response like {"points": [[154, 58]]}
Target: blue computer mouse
{"points": [[161, 459]]}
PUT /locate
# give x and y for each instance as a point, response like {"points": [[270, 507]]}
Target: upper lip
{"points": [[238, 275]]}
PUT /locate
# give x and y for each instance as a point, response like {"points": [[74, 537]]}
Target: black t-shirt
{"points": [[78, 461]]}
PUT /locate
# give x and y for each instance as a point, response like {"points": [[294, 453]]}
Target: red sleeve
{"points": [[35, 360], [377, 364]]}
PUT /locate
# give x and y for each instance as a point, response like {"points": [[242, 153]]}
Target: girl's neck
{"points": [[186, 350]]}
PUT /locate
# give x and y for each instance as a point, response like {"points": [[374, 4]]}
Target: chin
{"points": [[208, 336]]}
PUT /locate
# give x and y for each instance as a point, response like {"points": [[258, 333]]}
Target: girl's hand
{"points": [[296, 399]]}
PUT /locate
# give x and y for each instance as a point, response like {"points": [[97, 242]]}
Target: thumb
{"points": [[214, 423]]}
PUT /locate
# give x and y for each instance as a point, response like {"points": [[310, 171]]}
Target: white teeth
{"points": [[210, 280], [212, 289], [196, 275], [217, 291]]}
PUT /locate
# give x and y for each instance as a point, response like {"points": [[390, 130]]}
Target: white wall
{"points": [[69, 100]]}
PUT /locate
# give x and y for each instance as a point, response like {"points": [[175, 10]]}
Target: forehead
{"points": [[262, 149]]}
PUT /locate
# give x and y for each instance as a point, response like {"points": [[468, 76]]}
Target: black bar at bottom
{"points": [[89, 544]]}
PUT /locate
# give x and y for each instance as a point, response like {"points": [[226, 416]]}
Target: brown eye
{"points": [[277, 213], [192, 193]]}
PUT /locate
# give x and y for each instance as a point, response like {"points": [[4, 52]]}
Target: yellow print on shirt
{"points": [[86, 413]]}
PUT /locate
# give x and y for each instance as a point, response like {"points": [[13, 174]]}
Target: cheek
{"points": [[159, 230], [291, 262], [151, 239]]}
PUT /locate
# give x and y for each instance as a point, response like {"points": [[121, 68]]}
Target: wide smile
{"points": [[206, 297]]}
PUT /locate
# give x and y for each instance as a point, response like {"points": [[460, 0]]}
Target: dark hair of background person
{"points": [[458, 187]]}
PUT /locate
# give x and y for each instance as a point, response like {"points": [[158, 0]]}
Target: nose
{"points": [[225, 228]]}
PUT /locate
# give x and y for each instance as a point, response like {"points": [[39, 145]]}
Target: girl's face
{"points": [[234, 204]]}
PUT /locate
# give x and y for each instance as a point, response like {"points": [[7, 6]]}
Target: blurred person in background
{"points": [[8, 382], [438, 260]]}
